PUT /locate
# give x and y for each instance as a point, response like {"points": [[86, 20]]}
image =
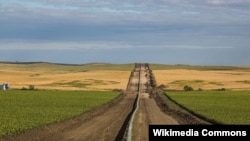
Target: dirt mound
{"points": [[181, 115]]}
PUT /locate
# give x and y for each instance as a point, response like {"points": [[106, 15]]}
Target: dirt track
{"points": [[148, 113]]}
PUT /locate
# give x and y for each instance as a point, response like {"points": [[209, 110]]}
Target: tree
{"points": [[188, 88], [31, 87]]}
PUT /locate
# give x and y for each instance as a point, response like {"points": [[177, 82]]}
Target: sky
{"points": [[192, 32]]}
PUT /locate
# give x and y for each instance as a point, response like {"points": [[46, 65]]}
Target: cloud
{"points": [[228, 2], [50, 45], [191, 13], [96, 45], [110, 11], [107, 25]]}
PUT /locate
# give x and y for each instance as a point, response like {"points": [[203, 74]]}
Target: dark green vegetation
{"points": [[80, 83], [55, 68], [105, 66], [24, 110], [223, 107], [245, 81], [189, 82]]}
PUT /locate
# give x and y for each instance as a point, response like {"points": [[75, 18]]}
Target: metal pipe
{"points": [[129, 135]]}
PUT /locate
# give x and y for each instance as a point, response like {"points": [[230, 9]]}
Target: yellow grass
{"points": [[42, 79], [230, 79], [46, 78]]}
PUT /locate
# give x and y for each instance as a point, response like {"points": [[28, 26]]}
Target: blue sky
{"points": [[194, 32]]}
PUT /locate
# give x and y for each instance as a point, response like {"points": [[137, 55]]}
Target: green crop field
{"points": [[24, 109], [223, 107]]}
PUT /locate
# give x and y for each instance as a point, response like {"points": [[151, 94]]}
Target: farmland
{"points": [[23, 110], [115, 76], [63, 91], [212, 79], [66, 77], [223, 107]]}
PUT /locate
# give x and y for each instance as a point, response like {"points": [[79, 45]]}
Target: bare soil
{"points": [[149, 113]]}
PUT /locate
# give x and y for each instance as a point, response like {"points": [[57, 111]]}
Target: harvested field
{"points": [[45, 79], [206, 80], [108, 77]]}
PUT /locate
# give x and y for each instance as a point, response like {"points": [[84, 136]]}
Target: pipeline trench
{"points": [[146, 111]]}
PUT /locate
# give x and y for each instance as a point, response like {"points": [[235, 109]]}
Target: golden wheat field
{"points": [[44, 76], [207, 80], [90, 80]]}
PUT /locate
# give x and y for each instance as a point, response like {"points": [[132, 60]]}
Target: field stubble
{"points": [[206, 80], [109, 77]]}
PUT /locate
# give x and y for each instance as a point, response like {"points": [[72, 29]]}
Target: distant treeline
{"points": [[152, 66]]}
